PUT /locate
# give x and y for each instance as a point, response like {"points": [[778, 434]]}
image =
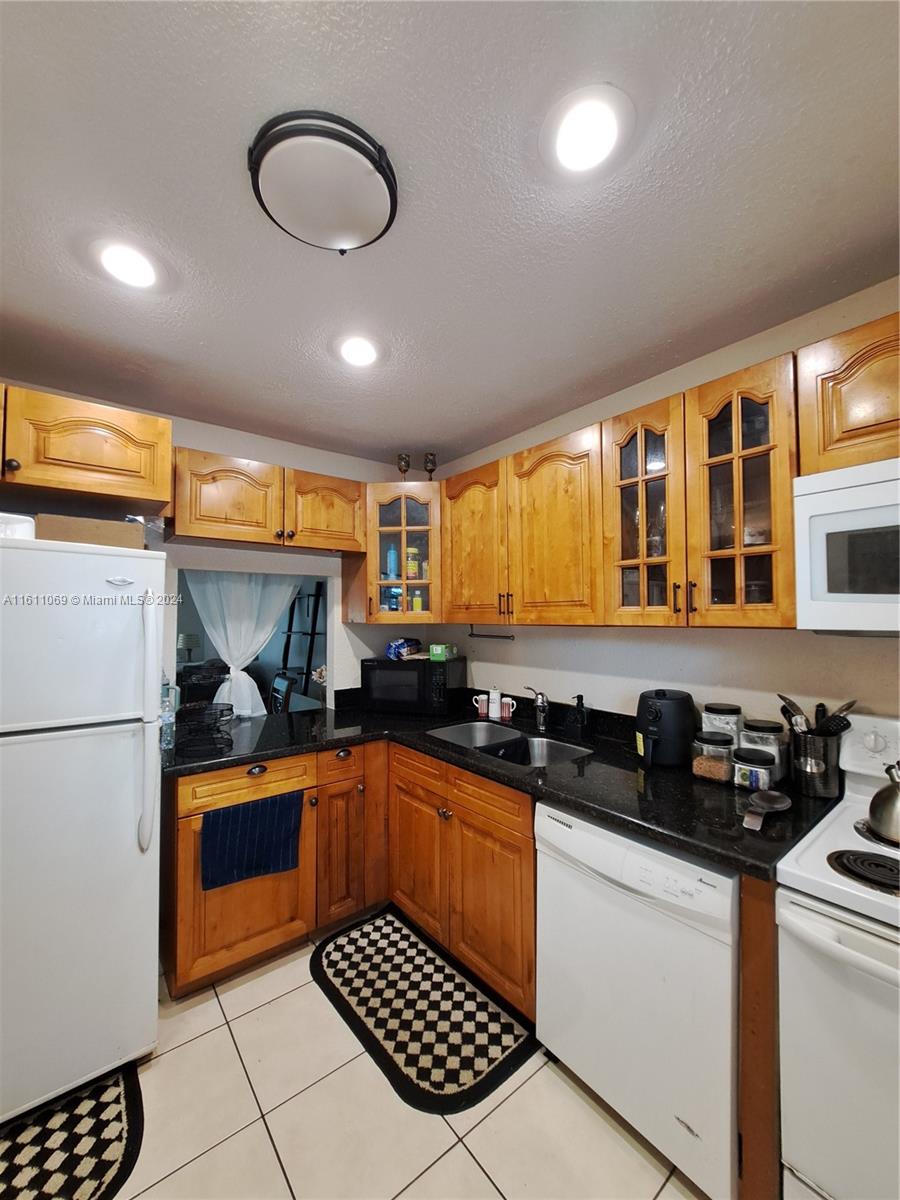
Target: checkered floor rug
{"points": [[81, 1146], [442, 1041]]}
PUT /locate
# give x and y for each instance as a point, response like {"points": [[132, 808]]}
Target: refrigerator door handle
{"points": [[151, 679], [150, 784]]}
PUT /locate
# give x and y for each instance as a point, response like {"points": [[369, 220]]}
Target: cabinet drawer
{"points": [[333, 766], [428, 771], [235, 785], [511, 809]]}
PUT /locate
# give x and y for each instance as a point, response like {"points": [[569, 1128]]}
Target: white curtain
{"points": [[240, 613]]}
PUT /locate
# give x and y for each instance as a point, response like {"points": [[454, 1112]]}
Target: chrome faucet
{"points": [[541, 705]]}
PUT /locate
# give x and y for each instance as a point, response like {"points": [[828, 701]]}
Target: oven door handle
{"points": [[833, 947]]}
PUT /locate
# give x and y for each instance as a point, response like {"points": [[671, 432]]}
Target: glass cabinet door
{"points": [[643, 497], [405, 538], [741, 458]]}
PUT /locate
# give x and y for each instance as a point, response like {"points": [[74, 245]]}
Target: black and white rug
{"points": [[81, 1146], [443, 1041]]}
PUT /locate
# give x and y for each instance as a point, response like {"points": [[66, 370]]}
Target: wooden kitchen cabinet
{"points": [[400, 577], [847, 397], [741, 460], [213, 933], [56, 442], [418, 854], [644, 515], [341, 850], [554, 531], [473, 540], [231, 498], [324, 513]]}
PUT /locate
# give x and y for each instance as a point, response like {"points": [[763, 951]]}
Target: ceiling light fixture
{"points": [[128, 265], [323, 180], [587, 128], [358, 351]]}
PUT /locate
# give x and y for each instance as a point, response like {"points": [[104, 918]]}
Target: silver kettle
{"points": [[884, 810]]}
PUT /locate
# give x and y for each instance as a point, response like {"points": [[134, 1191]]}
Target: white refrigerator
{"points": [[80, 668]]}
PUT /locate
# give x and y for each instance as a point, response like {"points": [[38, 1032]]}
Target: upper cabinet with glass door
{"points": [[643, 515], [404, 540], [741, 460]]}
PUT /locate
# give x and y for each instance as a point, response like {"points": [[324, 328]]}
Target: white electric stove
{"points": [[838, 914]]}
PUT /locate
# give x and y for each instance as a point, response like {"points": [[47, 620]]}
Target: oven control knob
{"points": [[874, 742]]}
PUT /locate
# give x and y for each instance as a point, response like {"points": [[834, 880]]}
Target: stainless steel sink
{"points": [[475, 735], [536, 751]]}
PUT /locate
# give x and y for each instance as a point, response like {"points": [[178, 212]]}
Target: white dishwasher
{"points": [[637, 987]]}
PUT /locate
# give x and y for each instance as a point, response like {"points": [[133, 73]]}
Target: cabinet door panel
{"points": [[418, 866], [492, 913], [554, 532], [847, 393], [473, 522], [323, 512], [231, 498], [644, 516], [341, 850], [741, 460], [403, 563], [79, 446]]}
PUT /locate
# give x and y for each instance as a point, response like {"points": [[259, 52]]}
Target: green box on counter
{"points": [[442, 651]]}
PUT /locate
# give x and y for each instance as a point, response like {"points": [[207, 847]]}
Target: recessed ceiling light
{"points": [[358, 351], [587, 128], [128, 265]]}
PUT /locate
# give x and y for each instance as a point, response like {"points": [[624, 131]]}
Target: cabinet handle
{"points": [[13, 464], [259, 769], [692, 587], [279, 533], [445, 814], [343, 753], [360, 787], [676, 588], [500, 604], [370, 606], [313, 801], [291, 533], [509, 606]]}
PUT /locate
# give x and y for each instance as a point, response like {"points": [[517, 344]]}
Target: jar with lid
{"points": [[755, 769], [770, 736], [412, 562], [711, 756], [723, 718]]}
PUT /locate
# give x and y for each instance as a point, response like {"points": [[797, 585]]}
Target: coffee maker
{"points": [[666, 724]]}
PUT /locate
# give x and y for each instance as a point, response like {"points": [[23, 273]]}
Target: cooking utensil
{"points": [[761, 803], [820, 714], [787, 714], [884, 810], [844, 708], [832, 726], [800, 723], [796, 710]]}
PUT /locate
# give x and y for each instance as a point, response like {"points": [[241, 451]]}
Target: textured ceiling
{"points": [[761, 183]]}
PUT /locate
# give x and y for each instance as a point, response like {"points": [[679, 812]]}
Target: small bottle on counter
{"points": [[723, 718], [711, 756], [770, 736], [755, 769]]}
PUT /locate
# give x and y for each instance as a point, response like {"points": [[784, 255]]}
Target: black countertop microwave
{"points": [[413, 685]]}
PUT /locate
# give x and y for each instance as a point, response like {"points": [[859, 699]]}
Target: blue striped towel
{"points": [[261, 837]]}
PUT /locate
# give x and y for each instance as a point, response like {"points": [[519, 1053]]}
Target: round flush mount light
{"points": [[323, 180], [358, 351], [587, 129], [127, 265]]}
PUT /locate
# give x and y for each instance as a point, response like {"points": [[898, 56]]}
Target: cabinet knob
{"points": [[343, 754], [291, 533], [313, 801], [445, 814], [13, 464], [360, 787], [259, 769], [279, 533]]}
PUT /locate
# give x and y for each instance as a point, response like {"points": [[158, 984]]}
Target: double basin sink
{"points": [[509, 744]]}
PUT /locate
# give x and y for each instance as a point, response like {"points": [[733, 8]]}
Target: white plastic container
{"points": [[14, 525]]}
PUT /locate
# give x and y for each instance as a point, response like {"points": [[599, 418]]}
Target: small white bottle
{"points": [[166, 716], [494, 704]]}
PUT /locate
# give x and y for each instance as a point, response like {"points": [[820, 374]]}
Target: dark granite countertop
{"points": [[667, 805]]}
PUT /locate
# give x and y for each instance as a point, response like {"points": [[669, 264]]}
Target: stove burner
{"points": [[874, 870], [865, 830]]}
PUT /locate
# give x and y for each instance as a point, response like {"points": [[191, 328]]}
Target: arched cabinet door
{"points": [[324, 513], [473, 539], [555, 537], [644, 515], [741, 461], [403, 562], [847, 395], [235, 499]]}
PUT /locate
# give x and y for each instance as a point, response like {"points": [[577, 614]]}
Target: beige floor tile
{"points": [[181, 1020], [352, 1136], [258, 986], [291, 1042], [242, 1168], [194, 1097], [551, 1140], [679, 1187], [462, 1122], [456, 1176]]}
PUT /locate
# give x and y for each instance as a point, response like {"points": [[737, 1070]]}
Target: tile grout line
{"points": [[656, 1195], [155, 1057], [175, 1170], [257, 1007], [481, 1167], [294, 1096], [500, 1103], [416, 1178]]}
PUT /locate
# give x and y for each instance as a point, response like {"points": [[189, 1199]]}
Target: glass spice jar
{"points": [[723, 718], [755, 769], [711, 756], [770, 736]]}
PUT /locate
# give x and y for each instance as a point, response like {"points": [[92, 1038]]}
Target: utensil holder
{"points": [[814, 765]]}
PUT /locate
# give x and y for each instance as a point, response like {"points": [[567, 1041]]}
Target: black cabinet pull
{"points": [[370, 606], [291, 533], [344, 753], [692, 587], [509, 604], [259, 769], [313, 801], [360, 787], [500, 604], [13, 464], [279, 533], [676, 607]]}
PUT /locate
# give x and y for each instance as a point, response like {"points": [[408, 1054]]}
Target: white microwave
{"points": [[847, 543]]}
